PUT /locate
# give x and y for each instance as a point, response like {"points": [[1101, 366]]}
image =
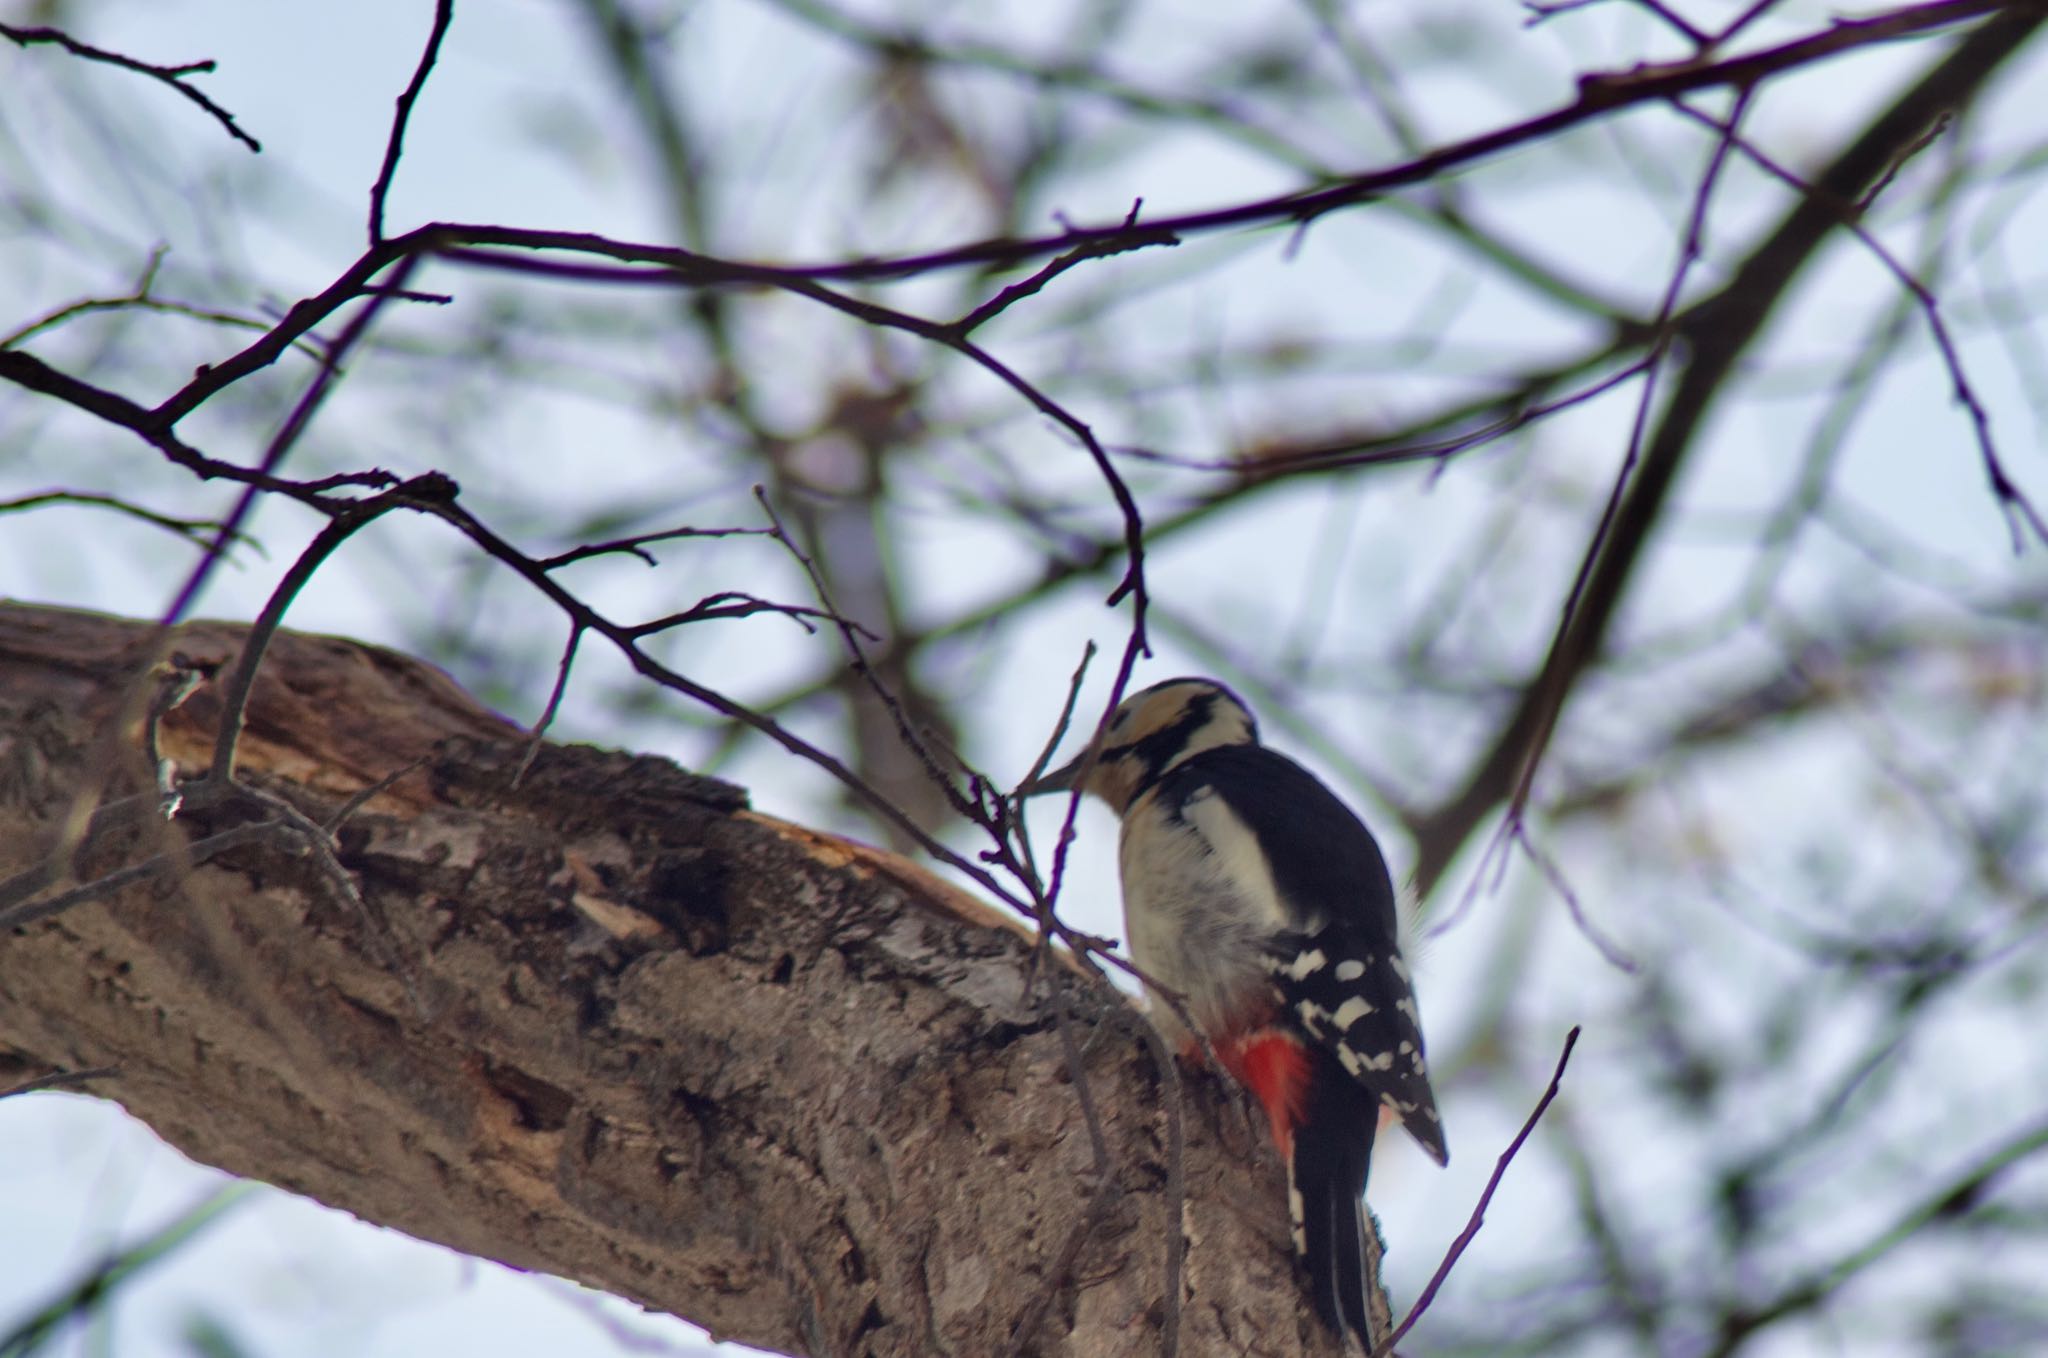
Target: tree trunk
{"points": [[606, 1022]]}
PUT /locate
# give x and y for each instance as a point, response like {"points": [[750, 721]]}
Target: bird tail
{"points": [[1326, 1173]]}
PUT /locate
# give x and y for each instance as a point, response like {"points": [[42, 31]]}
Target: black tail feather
{"points": [[1326, 1181], [1312, 1198], [1348, 1247]]}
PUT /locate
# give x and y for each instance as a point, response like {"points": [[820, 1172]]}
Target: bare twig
{"points": [[1540, 11], [26, 370], [193, 530], [1613, 952], [1333, 455], [554, 703], [732, 603], [184, 855], [1066, 717], [624, 637], [177, 77], [347, 810], [142, 297], [1478, 1218], [1013, 809], [298, 830], [432, 487], [60, 1079], [78, 830], [1715, 332], [1599, 97], [638, 544], [1757, 9], [287, 436], [394, 146], [2020, 512], [1551, 697], [851, 632], [1058, 265]]}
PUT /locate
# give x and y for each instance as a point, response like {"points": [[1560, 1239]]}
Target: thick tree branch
{"points": [[785, 1085]]}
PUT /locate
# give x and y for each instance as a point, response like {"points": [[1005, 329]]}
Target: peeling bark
{"points": [[611, 1024]]}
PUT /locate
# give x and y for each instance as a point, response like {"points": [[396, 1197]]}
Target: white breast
{"points": [[1199, 904]]}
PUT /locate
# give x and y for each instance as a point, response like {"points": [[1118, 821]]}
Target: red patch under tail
{"points": [[1274, 1066]]}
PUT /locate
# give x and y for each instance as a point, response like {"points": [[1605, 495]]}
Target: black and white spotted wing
{"points": [[1339, 971]]}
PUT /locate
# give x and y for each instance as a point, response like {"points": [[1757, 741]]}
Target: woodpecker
{"points": [[1257, 898]]}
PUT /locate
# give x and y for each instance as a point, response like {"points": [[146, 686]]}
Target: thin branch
{"points": [[1715, 332], [177, 77], [79, 829], [850, 633], [394, 147], [303, 832], [1600, 95], [1615, 955], [1757, 9], [554, 703], [1343, 454], [732, 603], [357, 281], [192, 530], [26, 370], [108, 884], [287, 436], [347, 810], [2012, 501], [1066, 717], [637, 544], [1478, 1218], [625, 639], [140, 298], [1551, 697], [1017, 292], [1541, 11], [432, 487], [694, 268], [60, 1079]]}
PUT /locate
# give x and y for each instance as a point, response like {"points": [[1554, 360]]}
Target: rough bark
{"points": [[612, 1025]]}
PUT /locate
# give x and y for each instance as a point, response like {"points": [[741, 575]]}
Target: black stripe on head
{"points": [[1207, 704], [1153, 750], [1154, 732]]}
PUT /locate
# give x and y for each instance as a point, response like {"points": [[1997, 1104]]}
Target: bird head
{"points": [[1151, 732]]}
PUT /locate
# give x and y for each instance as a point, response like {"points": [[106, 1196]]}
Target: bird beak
{"points": [[1061, 779]]}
